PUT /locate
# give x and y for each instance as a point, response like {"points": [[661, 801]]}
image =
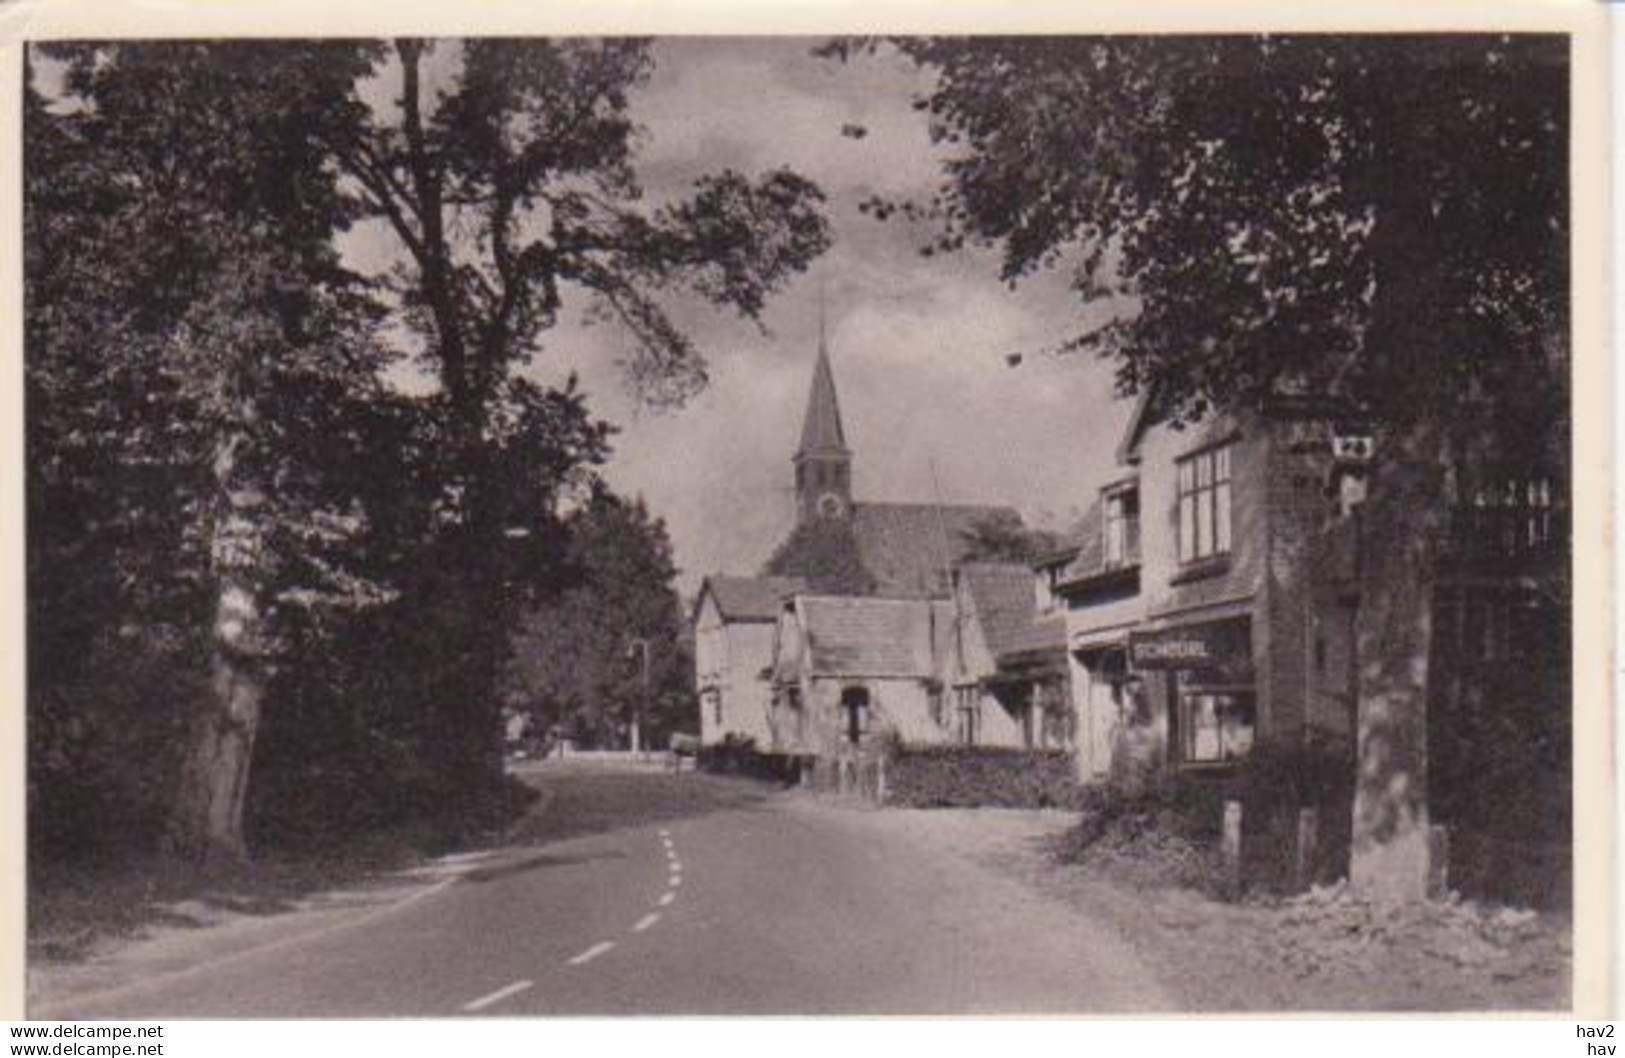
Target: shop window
{"points": [[1122, 526], [1204, 504], [1216, 724]]}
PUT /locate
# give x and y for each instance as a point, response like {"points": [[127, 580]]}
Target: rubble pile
{"points": [[1330, 930]]}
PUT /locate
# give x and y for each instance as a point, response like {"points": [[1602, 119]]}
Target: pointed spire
{"points": [[821, 430]]}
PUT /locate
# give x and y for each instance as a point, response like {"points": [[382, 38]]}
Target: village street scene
{"points": [[778, 526]]}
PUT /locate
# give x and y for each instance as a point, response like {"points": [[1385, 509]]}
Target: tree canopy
{"points": [[578, 664], [223, 483], [1382, 219]]}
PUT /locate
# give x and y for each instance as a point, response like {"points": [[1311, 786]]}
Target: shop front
{"points": [[1200, 691]]}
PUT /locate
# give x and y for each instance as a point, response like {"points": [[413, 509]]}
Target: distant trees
{"points": [[577, 667], [1382, 220], [1004, 537], [231, 517]]}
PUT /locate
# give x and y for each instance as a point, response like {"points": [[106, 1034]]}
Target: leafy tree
{"points": [[1380, 220], [1004, 537], [578, 661], [204, 370], [188, 326], [504, 170]]}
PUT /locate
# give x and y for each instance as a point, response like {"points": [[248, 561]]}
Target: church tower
{"points": [[823, 462]]}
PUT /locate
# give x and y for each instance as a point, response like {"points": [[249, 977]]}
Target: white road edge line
{"points": [[592, 953], [498, 996], [646, 921], [665, 901]]}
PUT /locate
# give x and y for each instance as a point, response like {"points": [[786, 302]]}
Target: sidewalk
{"points": [[1322, 951]]}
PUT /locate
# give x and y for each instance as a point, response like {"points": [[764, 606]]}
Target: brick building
{"points": [[1212, 627]]}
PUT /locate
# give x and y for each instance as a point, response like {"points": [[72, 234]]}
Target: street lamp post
{"points": [[639, 646]]}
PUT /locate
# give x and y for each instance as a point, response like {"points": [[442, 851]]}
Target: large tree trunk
{"points": [[206, 821], [1389, 857]]}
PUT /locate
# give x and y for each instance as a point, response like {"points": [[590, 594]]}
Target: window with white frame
{"points": [[1121, 520], [1204, 504], [1216, 723]]}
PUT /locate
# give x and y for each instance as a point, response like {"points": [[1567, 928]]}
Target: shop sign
{"points": [[1222, 644]]}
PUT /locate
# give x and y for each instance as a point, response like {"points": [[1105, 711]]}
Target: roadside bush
{"points": [[1168, 831], [1154, 836], [739, 756], [980, 777]]}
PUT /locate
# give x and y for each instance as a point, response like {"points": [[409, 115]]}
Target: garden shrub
{"points": [[980, 776]]}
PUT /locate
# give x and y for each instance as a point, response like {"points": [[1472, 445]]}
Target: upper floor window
{"points": [[1122, 526], [1046, 585], [1204, 504]]}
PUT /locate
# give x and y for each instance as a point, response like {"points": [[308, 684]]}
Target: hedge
{"points": [[981, 777], [739, 756]]}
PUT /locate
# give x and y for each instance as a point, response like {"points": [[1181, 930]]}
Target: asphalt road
{"points": [[767, 905]]}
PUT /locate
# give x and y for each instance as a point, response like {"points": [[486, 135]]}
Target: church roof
{"points": [[908, 547], [750, 598], [821, 430]]}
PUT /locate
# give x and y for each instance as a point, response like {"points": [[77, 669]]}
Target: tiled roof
{"points": [[1091, 556], [907, 547], [859, 636], [1002, 602], [750, 598], [1038, 637]]}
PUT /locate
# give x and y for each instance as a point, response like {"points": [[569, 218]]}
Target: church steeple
{"points": [[823, 462]]}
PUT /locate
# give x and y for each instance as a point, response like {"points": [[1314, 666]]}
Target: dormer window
{"points": [[1121, 523]]}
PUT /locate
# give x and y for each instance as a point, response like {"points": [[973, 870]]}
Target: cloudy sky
{"points": [[919, 345]]}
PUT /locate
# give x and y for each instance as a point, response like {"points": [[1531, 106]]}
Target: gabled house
{"points": [[849, 568], [734, 619], [1195, 644], [848, 670], [1007, 669], [1213, 634]]}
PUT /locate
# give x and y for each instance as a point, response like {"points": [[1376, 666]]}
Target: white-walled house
{"points": [[733, 649], [848, 670]]}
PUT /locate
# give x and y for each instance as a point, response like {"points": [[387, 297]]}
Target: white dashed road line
{"points": [[665, 901], [592, 953], [498, 996], [646, 921]]}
